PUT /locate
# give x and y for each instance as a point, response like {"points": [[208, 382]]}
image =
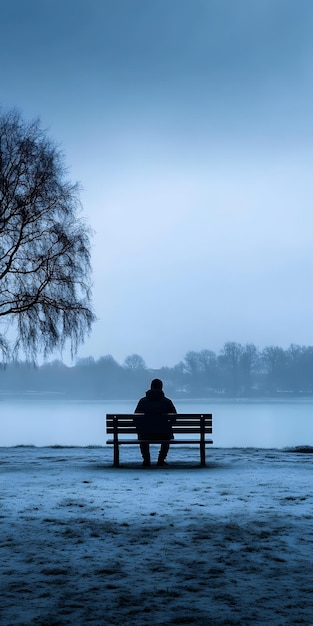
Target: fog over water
{"points": [[235, 424]]}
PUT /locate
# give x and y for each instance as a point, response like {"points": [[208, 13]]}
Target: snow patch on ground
{"points": [[84, 543]]}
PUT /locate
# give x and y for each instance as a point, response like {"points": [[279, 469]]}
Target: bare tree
{"points": [[275, 359], [248, 363], [230, 360], [135, 362], [44, 246]]}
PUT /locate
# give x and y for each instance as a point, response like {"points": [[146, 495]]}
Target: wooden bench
{"points": [[197, 425]]}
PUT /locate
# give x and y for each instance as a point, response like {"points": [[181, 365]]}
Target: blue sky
{"points": [[189, 125]]}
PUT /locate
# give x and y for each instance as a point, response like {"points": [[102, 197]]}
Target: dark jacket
{"points": [[155, 421]]}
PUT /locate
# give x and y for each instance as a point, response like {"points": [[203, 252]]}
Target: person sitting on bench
{"points": [[154, 425]]}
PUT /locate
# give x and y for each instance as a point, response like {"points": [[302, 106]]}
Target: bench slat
{"points": [[181, 430], [182, 416], [124, 421], [178, 420], [177, 428], [130, 442], [176, 431]]}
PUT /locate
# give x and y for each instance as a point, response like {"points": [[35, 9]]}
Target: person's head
{"points": [[156, 383]]}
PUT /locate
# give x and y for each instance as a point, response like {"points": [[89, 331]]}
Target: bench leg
{"points": [[116, 455], [202, 454]]}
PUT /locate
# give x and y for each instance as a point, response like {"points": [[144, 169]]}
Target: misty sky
{"points": [[189, 125]]}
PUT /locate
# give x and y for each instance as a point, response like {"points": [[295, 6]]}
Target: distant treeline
{"points": [[236, 371]]}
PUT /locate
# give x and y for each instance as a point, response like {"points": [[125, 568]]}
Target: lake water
{"points": [[275, 424]]}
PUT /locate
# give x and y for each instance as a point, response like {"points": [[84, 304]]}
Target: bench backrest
{"points": [[123, 423]]}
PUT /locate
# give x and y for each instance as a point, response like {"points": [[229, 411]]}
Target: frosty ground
{"points": [[84, 543]]}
